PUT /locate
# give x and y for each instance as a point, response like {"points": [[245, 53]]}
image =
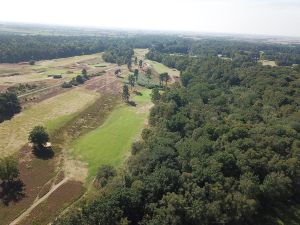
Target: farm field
{"points": [[110, 143]]}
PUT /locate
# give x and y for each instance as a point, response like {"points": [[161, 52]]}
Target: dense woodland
{"points": [[9, 105], [221, 148], [120, 54], [17, 48]]}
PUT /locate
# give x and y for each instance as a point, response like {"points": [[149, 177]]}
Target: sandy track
{"points": [[37, 202]]}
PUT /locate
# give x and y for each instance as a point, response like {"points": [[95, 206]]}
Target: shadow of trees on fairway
{"points": [[42, 152], [11, 191], [132, 103]]}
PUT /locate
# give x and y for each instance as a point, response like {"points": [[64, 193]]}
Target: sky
{"points": [[269, 17]]}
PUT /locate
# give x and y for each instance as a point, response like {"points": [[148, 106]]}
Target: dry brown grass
{"points": [[14, 132]]}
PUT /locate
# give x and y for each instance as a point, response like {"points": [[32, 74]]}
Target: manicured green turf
{"points": [[160, 68], [145, 97], [52, 125], [109, 143]]}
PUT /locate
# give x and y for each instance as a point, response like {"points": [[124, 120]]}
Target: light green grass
{"points": [[53, 125], [160, 68], [144, 98], [109, 143]]}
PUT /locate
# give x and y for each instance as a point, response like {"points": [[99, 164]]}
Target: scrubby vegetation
{"points": [[222, 148]]}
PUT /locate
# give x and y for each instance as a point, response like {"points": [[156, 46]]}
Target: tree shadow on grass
{"points": [[11, 191], [132, 103], [42, 152]]}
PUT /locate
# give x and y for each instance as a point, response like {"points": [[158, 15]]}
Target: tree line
{"points": [[9, 105]]}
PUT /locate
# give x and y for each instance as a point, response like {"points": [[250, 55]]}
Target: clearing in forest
{"points": [[268, 63], [110, 143]]}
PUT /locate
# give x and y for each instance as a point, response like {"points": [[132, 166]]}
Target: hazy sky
{"points": [[277, 17]]}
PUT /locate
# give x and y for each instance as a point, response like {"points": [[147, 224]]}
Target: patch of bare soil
{"points": [[36, 98], [105, 84], [3, 88], [34, 174], [56, 202]]}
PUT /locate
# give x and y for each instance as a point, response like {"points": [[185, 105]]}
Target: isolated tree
{"points": [[161, 79], [31, 62], [117, 72], [135, 60], [167, 78], [148, 74], [131, 80], [125, 94], [38, 136], [84, 71], [136, 74], [8, 169], [129, 65], [164, 77], [141, 63], [155, 95]]}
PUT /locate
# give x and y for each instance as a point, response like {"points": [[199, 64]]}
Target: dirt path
{"points": [[37, 202], [39, 90]]}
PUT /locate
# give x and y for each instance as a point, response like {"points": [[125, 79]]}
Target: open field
{"points": [[109, 143], [158, 67], [268, 63], [141, 52], [19, 73], [82, 118], [61, 105]]}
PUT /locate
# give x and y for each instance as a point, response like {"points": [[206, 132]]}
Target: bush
{"points": [[104, 174], [66, 85]]}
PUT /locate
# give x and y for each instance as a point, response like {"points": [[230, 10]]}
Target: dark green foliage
{"points": [[131, 80], [223, 148], [140, 63], [66, 85], [155, 95], [8, 169], [125, 93], [84, 72], [164, 77], [38, 136], [57, 76], [79, 79], [136, 74], [120, 54], [9, 105], [104, 174]]}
